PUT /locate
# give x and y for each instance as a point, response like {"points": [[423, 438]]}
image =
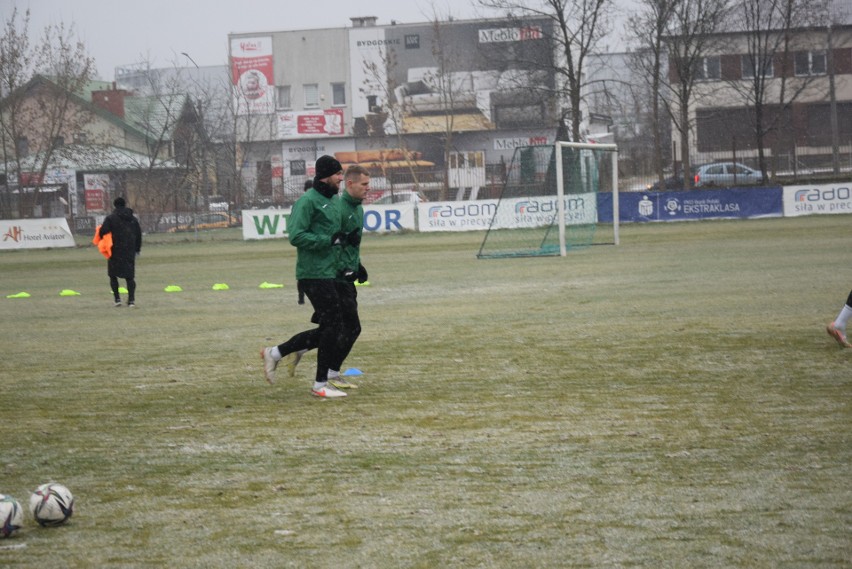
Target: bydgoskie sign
{"points": [[35, 233]]}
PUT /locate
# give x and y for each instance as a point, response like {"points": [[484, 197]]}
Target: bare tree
{"points": [[39, 85], [649, 27], [165, 115], [766, 90], [447, 88], [577, 27], [691, 36], [834, 15], [380, 78]]}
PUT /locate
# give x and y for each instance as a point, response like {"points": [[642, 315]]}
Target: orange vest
{"points": [[104, 244]]}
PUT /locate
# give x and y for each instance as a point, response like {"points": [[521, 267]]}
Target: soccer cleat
{"points": [[327, 391], [131, 305], [838, 335], [292, 360], [269, 364], [117, 302], [340, 383]]}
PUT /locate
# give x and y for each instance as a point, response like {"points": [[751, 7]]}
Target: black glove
{"points": [[337, 239], [348, 275], [361, 275], [354, 237]]}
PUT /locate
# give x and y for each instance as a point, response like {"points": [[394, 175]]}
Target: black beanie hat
{"points": [[326, 167], [119, 202]]}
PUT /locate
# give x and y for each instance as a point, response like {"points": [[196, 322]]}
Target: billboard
{"points": [[253, 82], [310, 124], [478, 71], [35, 233]]}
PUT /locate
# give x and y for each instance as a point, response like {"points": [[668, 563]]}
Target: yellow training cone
{"points": [[265, 284], [69, 292], [221, 286], [19, 295], [365, 283], [173, 288]]}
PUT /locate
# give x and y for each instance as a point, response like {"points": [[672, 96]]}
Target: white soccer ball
{"points": [[11, 515], [51, 504]]}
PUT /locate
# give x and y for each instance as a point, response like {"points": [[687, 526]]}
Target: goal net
{"points": [[549, 203]]}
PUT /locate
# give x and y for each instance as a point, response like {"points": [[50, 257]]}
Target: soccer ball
{"points": [[51, 504], [11, 515]]}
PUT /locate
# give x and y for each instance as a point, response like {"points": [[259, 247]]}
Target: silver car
{"points": [[725, 174]]}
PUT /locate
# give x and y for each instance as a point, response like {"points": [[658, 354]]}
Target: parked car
{"points": [[399, 196], [670, 183], [213, 220], [725, 174]]}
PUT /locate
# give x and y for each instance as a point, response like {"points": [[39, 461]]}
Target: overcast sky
{"points": [[122, 32]]}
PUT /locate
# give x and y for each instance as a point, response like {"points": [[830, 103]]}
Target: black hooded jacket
{"points": [[126, 242]]}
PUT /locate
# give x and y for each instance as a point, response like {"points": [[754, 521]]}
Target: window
{"points": [[297, 168], [809, 63], [311, 95], [264, 179], [282, 95], [338, 94], [764, 68], [22, 147], [708, 68]]}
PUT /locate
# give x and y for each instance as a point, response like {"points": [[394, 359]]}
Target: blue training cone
{"points": [[353, 371]]}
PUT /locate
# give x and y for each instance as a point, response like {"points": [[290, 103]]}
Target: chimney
{"points": [[111, 100], [364, 21]]}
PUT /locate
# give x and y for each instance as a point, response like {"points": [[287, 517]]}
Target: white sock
{"points": [[302, 352], [275, 353], [319, 385], [332, 374], [843, 317]]}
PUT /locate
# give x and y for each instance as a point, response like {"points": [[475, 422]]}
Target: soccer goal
{"points": [[549, 203]]}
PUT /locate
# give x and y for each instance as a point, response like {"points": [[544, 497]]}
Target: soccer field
{"points": [[670, 402]]}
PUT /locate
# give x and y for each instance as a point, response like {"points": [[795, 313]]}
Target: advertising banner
{"points": [[272, 223], [514, 213], [95, 191], [310, 124], [252, 75], [692, 205], [35, 233], [265, 223], [817, 199], [391, 218]]}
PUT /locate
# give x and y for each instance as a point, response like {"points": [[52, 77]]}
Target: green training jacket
{"points": [[351, 218], [314, 218]]}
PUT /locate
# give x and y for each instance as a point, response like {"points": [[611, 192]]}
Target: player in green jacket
{"points": [[314, 229], [357, 185]]}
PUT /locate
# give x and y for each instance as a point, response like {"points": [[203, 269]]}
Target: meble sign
{"points": [[494, 35]]}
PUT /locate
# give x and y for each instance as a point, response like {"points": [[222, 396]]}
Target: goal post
{"points": [[549, 200], [560, 185]]}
